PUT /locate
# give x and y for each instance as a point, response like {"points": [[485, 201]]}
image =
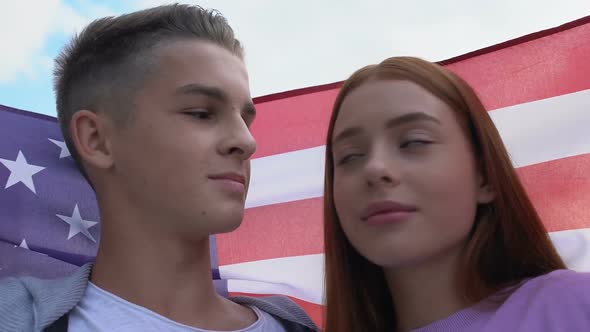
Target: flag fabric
{"points": [[537, 89]]}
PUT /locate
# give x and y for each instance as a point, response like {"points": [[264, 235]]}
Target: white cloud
{"points": [[293, 44], [25, 28]]}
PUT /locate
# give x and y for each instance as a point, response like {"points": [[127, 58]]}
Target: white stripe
{"points": [[287, 177], [534, 132], [303, 276], [574, 248], [297, 276], [547, 129]]}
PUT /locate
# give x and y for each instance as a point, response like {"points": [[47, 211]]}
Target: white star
{"points": [[64, 148], [24, 244], [77, 224], [21, 171]]}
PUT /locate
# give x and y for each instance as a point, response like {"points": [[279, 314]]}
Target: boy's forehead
{"points": [[185, 65], [204, 62], [194, 51]]}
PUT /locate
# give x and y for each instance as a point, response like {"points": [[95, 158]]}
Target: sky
{"points": [[289, 44]]}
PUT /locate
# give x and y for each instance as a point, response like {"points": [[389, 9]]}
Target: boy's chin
{"points": [[227, 222]]}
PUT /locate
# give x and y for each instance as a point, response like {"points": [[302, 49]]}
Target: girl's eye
{"points": [[348, 158], [414, 143]]}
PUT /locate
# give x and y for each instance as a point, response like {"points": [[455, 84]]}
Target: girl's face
{"points": [[406, 184]]}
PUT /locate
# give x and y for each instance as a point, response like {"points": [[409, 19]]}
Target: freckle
{"points": [[203, 213]]}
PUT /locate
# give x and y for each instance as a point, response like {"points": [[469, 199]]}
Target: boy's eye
{"points": [[201, 114]]}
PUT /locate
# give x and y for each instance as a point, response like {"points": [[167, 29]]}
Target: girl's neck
{"points": [[427, 292]]}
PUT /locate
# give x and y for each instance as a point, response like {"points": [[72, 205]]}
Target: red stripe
{"points": [[559, 189], [294, 123], [519, 40], [535, 69], [542, 68], [297, 92], [315, 311], [274, 231], [490, 49]]}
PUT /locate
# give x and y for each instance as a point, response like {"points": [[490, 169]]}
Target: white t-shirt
{"points": [[101, 311]]}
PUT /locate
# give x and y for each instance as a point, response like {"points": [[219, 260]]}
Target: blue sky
{"points": [[30, 88], [316, 42]]}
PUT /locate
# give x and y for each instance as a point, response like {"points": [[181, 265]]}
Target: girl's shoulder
{"points": [[560, 297], [558, 283]]}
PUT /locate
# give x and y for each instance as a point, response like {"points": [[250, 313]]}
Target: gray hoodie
{"points": [[32, 304]]}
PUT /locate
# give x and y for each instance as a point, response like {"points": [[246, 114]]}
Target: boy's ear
{"points": [[90, 135]]}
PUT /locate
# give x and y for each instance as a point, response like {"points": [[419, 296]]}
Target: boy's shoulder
{"points": [[291, 315], [15, 301], [31, 304]]}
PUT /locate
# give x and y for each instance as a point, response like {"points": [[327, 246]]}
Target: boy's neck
{"points": [[165, 274]]}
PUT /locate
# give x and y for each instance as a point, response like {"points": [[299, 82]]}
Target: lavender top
{"points": [[557, 301]]}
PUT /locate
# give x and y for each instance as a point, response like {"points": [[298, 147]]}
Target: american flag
{"points": [[536, 87]]}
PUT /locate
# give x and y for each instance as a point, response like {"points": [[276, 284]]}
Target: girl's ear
{"points": [[485, 194]]}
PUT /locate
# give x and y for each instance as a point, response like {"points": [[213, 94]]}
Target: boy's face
{"points": [[184, 157]]}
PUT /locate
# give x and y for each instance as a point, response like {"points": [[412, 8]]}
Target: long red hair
{"points": [[510, 245]]}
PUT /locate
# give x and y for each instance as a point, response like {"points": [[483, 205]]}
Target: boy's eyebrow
{"points": [[248, 110], [209, 91]]}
